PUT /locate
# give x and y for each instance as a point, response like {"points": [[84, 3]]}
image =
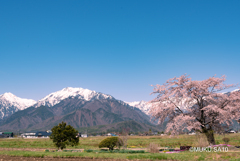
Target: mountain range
{"points": [[82, 108], [76, 106], [9, 103]]}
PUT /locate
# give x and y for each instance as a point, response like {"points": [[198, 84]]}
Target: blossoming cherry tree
{"points": [[195, 105]]}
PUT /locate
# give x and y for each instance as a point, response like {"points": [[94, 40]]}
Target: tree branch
{"points": [[176, 106]]}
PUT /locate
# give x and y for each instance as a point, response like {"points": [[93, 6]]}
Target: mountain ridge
{"points": [[86, 94], [77, 112], [9, 104]]}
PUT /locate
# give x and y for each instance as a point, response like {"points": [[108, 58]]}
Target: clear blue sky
{"points": [[117, 47]]}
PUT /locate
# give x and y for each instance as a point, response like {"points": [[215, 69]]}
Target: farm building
{"points": [[83, 135], [6, 134], [37, 134], [29, 135], [111, 134]]}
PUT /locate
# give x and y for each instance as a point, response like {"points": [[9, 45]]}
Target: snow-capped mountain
{"points": [[142, 105], [236, 90], [9, 104], [56, 97], [231, 91], [145, 106], [76, 106]]}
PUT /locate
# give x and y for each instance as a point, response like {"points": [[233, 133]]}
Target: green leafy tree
{"points": [[111, 142], [63, 135]]}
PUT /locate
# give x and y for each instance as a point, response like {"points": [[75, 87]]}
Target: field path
{"points": [[33, 149], [11, 158]]}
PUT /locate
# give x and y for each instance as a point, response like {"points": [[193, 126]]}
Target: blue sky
{"points": [[115, 47]]}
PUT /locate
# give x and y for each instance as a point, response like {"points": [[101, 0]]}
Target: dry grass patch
{"points": [[201, 141], [153, 148]]}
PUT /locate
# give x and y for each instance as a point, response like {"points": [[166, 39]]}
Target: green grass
{"points": [[177, 141], [156, 156], [26, 143], [133, 142], [114, 151]]}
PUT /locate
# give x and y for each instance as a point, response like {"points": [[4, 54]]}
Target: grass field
{"points": [[133, 142], [155, 156]]}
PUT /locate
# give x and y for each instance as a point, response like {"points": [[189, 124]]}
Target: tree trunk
{"points": [[210, 136], [110, 148]]}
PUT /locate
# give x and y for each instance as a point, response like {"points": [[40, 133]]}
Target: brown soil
{"points": [[11, 158], [34, 149]]}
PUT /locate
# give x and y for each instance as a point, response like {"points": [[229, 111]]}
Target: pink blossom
{"points": [[198, 105]]}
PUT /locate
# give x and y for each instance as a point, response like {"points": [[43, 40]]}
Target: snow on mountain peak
{"points": [[236, 90], [55, 97], [145, 106], [9, 103], [9, 99], [8, 95], [142, 105]]}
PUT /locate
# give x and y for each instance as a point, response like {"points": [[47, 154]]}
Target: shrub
{"points": [[111, 142], [124, 137], [185, 147], [153, 148], [226, 140]]}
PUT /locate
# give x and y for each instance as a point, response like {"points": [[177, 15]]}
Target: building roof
{"points": [[39, 133], [42, 133], [7, 132], [31, 132]]}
